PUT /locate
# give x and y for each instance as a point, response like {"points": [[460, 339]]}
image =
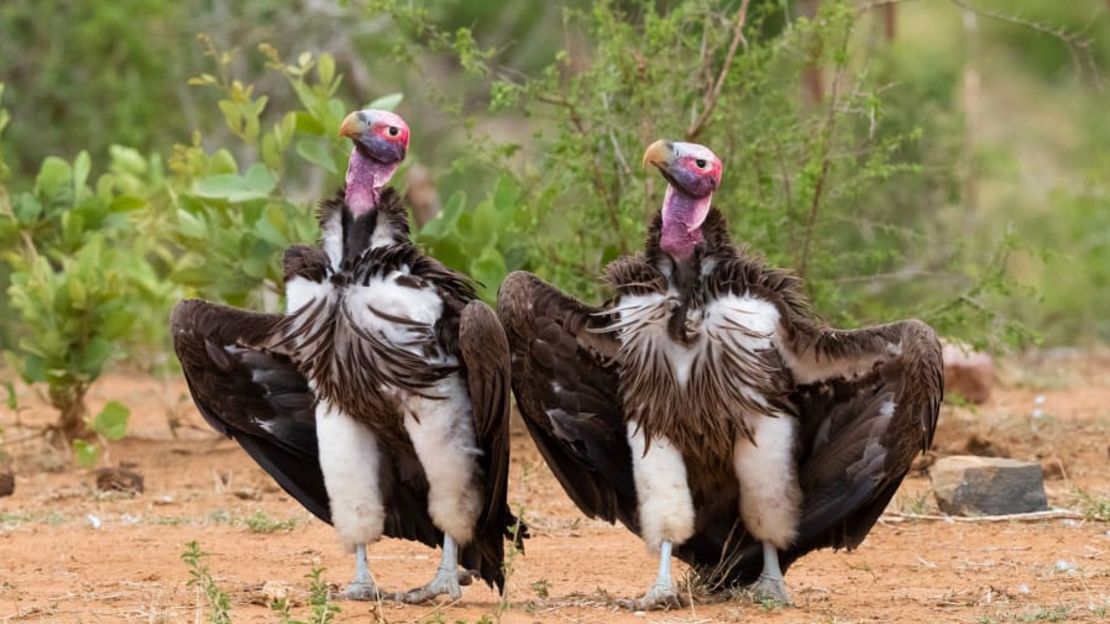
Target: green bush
{"points": [[232, 220], [844, 190], [77, 280]]}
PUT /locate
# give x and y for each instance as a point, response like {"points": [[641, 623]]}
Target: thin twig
{"points": [[1033, 516], [710, 100], [826, 161], [1072, 41]]}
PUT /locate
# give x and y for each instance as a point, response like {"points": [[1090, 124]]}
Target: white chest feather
{"points": [[733, 322], [301, 291], [398, 313]]}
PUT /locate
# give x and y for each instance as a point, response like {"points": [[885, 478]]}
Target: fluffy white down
{"points": [[665, 503], [349, 458], [442, 433], [634, 312], [300, 291], [422, 306], [757, 315], [646, 317], [770, 497], [331, 235]]}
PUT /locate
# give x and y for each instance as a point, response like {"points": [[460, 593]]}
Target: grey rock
{"points": [[965, 485], [7, 484]]}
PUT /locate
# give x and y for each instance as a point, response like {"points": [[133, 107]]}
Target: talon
{"points": [[446, 583], [770, 588], [658, 598], [362, 592]]}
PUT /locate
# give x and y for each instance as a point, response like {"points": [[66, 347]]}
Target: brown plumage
{"points": [[577, 384], [249, 374]]}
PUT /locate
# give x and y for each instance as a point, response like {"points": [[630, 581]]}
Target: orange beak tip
{"points": [[656, 154], [350, 126]]}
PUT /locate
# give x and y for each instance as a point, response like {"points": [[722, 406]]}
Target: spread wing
{"points": [[485, 355], [567, 389], [252, 394], [867, 401]]}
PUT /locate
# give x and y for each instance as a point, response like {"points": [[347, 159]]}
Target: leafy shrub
{"points": [[78, 270], [835, 188], [231, 227]]}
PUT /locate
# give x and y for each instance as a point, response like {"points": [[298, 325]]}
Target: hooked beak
{"points": [[352, 127], [659, 154]]}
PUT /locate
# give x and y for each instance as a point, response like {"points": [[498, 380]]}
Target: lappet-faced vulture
{"points": [[380, 399], [708, 408]]}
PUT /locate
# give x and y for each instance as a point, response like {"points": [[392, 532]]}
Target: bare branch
{"points": [[710, 100], [1079, 48], [1033, 516]]}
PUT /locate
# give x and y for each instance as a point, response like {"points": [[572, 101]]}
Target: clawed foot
{"points": [[445, 583], [361, 592], [770, 588], [658, 598]]}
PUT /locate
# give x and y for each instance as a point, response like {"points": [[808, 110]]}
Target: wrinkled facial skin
{"points": [[378, 135], [691, 168]]}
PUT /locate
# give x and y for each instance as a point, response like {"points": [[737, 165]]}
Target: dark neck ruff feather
{"points": [[389, 214]]}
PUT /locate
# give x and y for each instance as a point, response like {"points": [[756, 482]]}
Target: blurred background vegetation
{"points": [[948, 159]]}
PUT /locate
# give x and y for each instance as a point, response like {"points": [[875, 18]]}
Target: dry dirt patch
{"points": [[70, 553]]}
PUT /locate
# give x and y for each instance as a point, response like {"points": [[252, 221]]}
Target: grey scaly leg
{"points": [[446, 581], [662, 593], [770, 585], [363, 587]]}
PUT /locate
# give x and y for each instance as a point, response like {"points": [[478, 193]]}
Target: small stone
{"points": [[966, 485], [247, 493], [967, 373], [275, 591], [1066, 567], [94, 521], [1053, 468], [7, 484], [119, 480], [984, 447]]}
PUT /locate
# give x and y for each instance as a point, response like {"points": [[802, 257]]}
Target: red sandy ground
{"points": [[56, 567]]}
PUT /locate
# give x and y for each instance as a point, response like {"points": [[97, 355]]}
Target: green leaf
{"points": [[316, 151], [112, 421], [33, 369], [127, 159], [12, 401], [489, 271], [258, 183], [191, 226], [308, 124], [95, 354], [27, 209], [87, 453], [387, 102], [81, 167], [55, 179], [325, 68]]}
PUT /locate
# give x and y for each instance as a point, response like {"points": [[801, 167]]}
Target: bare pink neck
{"points": [[365, 179], [682, 219]]}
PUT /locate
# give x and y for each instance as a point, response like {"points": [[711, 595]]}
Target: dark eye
{"points": [[393, 131], [700, 163]]}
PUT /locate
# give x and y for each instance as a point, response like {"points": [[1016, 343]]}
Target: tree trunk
{"points": [[72, 414], [813, 77], [890, 20]]}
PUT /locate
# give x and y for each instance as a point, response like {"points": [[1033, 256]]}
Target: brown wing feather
{"points": [[254, 396], [567, 390], [485, 355], [861, 425]]}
